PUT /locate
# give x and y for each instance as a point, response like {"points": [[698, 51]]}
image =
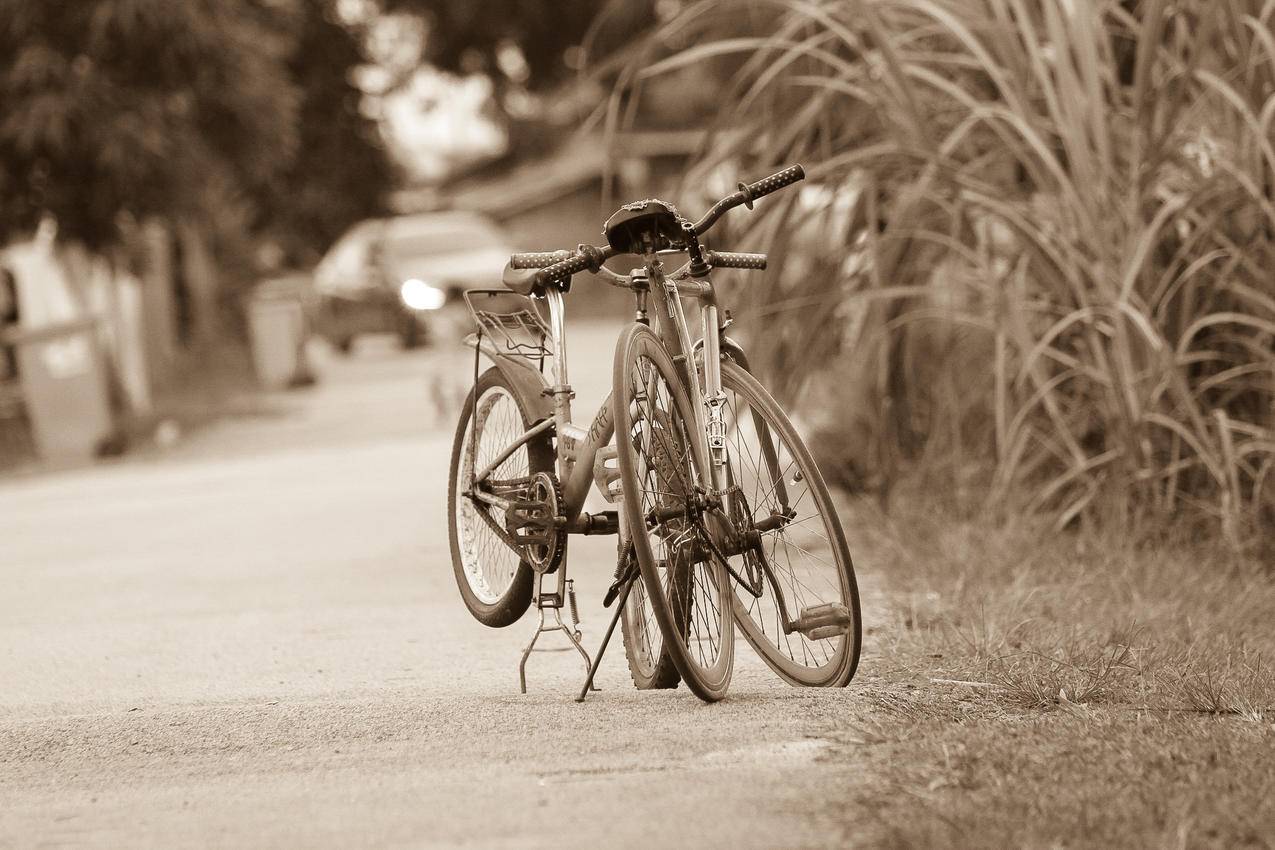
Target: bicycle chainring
{"points": [[534, 521]]}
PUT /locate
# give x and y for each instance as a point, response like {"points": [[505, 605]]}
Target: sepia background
{"points": [[1022, 308]]}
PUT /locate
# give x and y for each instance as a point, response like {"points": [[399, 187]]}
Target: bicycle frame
{"points": [[577, 449], [706, 398]]}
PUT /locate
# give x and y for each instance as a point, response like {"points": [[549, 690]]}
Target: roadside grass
{"points": [[1070, 779], [1035, 233], [1064, 691]]}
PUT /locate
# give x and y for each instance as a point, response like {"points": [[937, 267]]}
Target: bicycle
{"points": [[722, 516]]}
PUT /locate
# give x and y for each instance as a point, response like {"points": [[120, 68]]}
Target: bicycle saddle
{"points": [[644, 226], [522, 281]]}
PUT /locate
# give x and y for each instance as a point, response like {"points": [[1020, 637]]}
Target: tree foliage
{"points": [[340, 172], [467, 37], [111, 109], [128, 106]]}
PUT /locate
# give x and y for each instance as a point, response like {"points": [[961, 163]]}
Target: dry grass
{"points": [[1075, 692], [1085, 620], [1072, 780], [1038, 237]]}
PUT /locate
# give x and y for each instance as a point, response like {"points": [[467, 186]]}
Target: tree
{"points": [[469, 37], [132, 107], [340, 172]]}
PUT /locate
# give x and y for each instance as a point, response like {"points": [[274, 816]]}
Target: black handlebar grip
{"points": [[732, 260], [563, 269], [538, 259], [774, 182]]}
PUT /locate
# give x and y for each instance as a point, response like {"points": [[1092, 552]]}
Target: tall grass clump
{"points": [[1036, 240]]}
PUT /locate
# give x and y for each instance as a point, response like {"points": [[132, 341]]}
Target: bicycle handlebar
{"points": [[561, 265], [732, 260], [749, 192], [584, 257], [538, 259]]}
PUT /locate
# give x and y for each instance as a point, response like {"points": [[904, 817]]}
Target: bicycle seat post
{"points": [[558, 330], [568, 435]]}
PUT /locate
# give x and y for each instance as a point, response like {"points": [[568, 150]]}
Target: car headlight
{"points": [[419, 295]]}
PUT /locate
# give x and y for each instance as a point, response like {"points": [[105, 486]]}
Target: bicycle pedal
{"points": [[776, 520], [818, 622], [606, 473]]}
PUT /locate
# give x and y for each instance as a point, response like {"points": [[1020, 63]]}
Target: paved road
{"points": [[255, 639]]}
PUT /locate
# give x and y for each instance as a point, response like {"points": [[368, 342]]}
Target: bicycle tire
{"points": [[494, 580], [659, 469], [761, 471], [650, 667]]}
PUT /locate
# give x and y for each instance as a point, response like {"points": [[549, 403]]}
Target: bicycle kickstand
{"points": [[606, 638], [565, 594]]}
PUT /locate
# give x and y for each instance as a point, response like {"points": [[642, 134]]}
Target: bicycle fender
{"points": [[729, 348], [529, 385]]}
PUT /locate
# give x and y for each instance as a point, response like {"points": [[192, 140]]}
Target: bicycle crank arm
{"points": [[505, 537], [816, 622], [490, 499], [658, 516]]}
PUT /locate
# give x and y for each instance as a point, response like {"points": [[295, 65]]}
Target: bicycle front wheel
{"points": [[799, 603], [686, 587]]}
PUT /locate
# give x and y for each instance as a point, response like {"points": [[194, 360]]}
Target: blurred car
{"points": [[398, 274]]}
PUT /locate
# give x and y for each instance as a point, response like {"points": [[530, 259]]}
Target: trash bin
{"points": [[277, 329], [64, 386]]}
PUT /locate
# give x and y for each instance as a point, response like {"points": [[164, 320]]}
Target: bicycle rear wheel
{"points": [[650, 667], [495, 581], [801, 613], [688, 589]]}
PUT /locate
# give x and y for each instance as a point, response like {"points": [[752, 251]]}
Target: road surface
{"points": [[255, 639]]}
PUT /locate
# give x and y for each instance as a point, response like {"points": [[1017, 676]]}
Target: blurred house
{"points": [[85, 343]]}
